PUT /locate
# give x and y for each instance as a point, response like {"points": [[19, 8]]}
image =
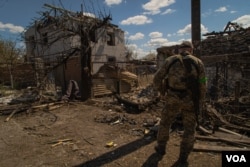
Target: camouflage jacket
{"points": [[174, 71]]}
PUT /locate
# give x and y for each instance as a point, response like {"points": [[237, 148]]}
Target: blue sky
{"points": [[148, 23]]}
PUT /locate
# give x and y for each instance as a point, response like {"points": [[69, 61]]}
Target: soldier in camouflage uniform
{"points": [[176, 72]]}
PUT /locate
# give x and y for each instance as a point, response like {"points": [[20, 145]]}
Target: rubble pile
{"points": [[219, 120], [228, 113], [226, 42], [138, 100], [28, 100], [114, 118]]}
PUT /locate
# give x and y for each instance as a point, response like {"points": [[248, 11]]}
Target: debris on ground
{"points": [[219, 120]]}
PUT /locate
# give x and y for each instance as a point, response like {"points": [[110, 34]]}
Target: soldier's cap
{"points": [[186, 44]]}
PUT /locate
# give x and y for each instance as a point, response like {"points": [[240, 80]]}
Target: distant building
{"points": [[226, 56]]}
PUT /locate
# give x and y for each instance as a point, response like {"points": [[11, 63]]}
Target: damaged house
{"points": [[66, 45]]}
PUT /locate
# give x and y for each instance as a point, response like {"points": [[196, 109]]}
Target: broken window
{"points": [[111, 39], [93, 37], [111, 59], [45, 38], [32, 42]]}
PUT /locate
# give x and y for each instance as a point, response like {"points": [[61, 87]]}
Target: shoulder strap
{"points": [[188, 65], [178, 58]]}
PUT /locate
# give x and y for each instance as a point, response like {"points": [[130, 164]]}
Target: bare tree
{"points": [[150, 56], [9, 57], [131, 54]]}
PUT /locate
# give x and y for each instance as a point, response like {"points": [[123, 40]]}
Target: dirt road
{"points": [[77, 134]]}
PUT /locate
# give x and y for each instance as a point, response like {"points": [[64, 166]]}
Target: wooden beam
{"points": [[216, 148], [226, 140]]}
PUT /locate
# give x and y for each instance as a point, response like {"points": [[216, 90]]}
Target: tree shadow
{"points": [[152, 160], [117, 153]]}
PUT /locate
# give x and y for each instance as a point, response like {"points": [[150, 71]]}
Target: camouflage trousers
{"points": [[178, 105]]}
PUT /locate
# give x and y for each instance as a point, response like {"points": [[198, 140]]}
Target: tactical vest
{"points": [[182, 72]]}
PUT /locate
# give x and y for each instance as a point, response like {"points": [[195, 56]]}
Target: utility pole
{"points": [[85, 64], [196, 26]]}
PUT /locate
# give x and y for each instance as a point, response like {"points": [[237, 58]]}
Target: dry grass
{"points": [[144, 80]]}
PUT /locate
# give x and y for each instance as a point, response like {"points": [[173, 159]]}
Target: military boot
{"points": [[160, 149], [182, 161]]}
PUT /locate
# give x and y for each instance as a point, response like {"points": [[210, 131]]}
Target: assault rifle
{"points": [[193, 85]]}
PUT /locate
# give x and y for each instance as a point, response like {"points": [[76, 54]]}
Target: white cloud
{"points": [[132, 46], [112, 2], [244, 21], [157, 42], [155, 35], [126, 33], [155, 5], [137, 36], [204, 29], [169, 35], [221, 9], [152, 12], [172, 43], [187, 30], [207, 13], [137, 20], [11, 28], [168, 11], [233, 11]]}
